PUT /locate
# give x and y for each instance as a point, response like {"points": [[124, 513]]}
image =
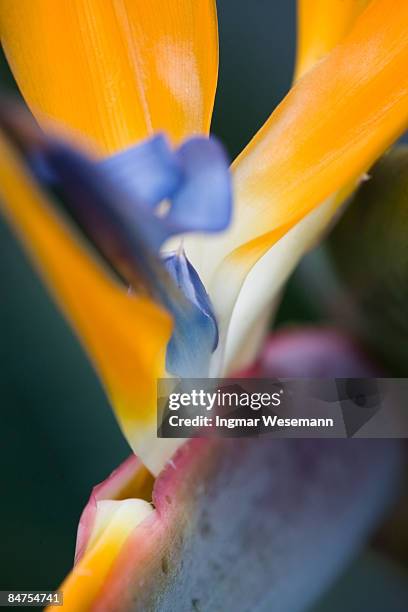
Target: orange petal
{"points": [[321, 25], [329, 129], [125, 335], [118, 70]]}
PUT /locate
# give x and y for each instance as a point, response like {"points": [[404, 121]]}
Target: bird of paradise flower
{"points": [[162, 260]]}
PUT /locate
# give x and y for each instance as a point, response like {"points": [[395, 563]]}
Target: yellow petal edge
{"points": [[115, 522]]}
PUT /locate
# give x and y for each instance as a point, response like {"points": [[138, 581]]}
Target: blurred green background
{"points": [[58, 436]]}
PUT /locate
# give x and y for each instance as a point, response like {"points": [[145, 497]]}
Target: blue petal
{"points": [[194, 180], [188, 281], [121, 232], [42, 170], [123, 235], [195, 335], [116, 216], [204, 200], [149, 172], [128, 234]]}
